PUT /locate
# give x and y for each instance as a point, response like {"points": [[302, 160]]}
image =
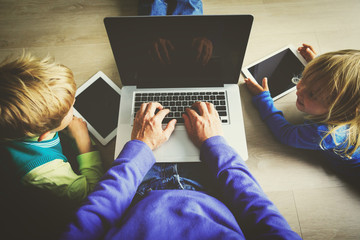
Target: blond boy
{"points": [[36, 102]]}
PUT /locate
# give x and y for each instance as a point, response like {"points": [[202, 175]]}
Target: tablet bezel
{"points": [[82, 88], [296, 53]]}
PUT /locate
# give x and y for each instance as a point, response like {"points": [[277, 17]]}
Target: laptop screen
{"points": [[179, 51]]}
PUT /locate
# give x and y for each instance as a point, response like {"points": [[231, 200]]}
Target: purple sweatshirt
{"points": [[243, 212]]}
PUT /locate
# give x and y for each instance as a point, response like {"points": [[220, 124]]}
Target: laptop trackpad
{"points": [[179, 148]]}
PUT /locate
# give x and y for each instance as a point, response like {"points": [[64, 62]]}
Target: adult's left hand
{"points": [[148, 125]]}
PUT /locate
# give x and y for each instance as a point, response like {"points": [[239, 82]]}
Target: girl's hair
{"points": [[335, 77], [35, 96]]}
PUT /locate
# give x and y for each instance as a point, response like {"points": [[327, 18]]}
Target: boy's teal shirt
{"points": [[27, 155], [43, 165]]}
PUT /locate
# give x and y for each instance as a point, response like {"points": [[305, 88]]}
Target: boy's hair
{"points": [[35, 96], [335, 77]]}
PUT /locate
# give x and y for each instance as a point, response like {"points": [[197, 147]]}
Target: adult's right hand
{"points": [[147, 125], [203, 124]]}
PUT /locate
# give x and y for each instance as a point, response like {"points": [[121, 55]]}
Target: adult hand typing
{"points": [[147, 125], [203, 124]]}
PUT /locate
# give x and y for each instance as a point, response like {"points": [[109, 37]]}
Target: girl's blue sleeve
{"points": [[306, 136], [256, 215], [113, 195]]}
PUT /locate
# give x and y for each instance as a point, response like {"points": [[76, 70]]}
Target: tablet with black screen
{"points": [[283, 69], [98, 102]]}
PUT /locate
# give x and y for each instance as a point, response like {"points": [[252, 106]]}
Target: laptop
{"points": [[178, 60]]}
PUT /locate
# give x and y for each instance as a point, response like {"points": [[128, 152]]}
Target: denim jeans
{"points": [[180, 176], [170, 7]]}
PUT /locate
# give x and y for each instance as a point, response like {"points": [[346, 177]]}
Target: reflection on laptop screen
{"points": [[179, 51]]}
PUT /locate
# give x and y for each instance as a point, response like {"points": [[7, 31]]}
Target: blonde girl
{"points": [[329, 92]]}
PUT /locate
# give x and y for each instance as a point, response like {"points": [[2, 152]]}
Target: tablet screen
{"points": [[99, 105], [280, 69]]}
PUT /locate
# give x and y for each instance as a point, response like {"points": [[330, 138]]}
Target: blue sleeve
{"points": [[113, 195], [306, 136], [257, 216]]}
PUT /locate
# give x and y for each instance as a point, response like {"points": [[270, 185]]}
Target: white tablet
{"points": [[98, 102], [283, 69]]}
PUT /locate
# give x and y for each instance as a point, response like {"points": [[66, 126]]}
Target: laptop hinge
{"points": [[150, 85]]}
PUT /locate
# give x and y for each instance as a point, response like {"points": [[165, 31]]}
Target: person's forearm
{"points": [[255, 213], [303, 136], [113, 194], [90, 166]]}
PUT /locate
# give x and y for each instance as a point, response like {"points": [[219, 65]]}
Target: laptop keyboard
{"points": [[177, 102]]}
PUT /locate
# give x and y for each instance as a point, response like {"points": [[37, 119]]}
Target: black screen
{"points": [[280, 70], [179, 51], [99, 104]]}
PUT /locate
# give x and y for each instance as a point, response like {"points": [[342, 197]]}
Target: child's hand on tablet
{"points": [[307, 52], [255, 88], [79, 131]]}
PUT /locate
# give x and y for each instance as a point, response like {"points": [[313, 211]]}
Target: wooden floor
{"points": [[317, 204]]}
